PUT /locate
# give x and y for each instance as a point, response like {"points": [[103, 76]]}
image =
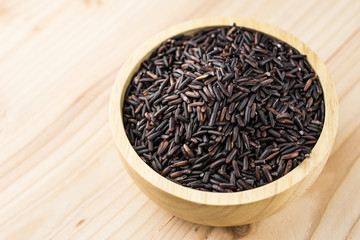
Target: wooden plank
{"points": [[334, 223], [59, 172]]}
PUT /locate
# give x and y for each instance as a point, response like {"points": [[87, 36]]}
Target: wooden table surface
{"points": [[60, 176]]}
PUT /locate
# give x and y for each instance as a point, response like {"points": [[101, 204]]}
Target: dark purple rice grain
{"points": [[227, 109]]}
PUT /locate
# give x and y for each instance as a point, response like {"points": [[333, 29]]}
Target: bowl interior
{"points": [[317, 157]]}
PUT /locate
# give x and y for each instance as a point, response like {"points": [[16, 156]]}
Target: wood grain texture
{"points": [[222, 209], [60, 177]]}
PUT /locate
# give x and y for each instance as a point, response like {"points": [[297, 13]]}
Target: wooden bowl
{"points": [[223, 209]]}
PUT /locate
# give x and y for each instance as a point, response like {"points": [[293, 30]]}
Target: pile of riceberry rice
{"points": [[224, 110]]}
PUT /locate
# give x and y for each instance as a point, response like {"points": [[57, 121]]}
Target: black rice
{"points": [[226, 109]]}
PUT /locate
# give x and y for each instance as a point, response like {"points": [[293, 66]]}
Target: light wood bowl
{"points": [[223, 209]]}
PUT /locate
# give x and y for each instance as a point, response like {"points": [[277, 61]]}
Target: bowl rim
{"points": [[318, 156]]}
